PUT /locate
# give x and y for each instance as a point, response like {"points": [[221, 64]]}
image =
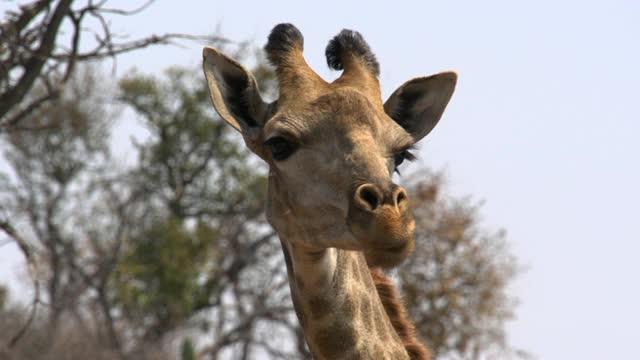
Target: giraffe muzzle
{"points": [[379, 219]]}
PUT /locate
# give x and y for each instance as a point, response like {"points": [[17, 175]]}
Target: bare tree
{"points": [[53, 168], [34, 50]]}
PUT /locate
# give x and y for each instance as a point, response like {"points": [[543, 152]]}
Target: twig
{"points": [[32, 315], [28, 255], [128, 12]]}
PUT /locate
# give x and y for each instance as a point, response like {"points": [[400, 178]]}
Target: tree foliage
{"points": [[207, 193], [156, 282], [455, 283]]}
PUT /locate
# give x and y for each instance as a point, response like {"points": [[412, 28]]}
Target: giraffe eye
{"points": [[400, 157], [281, 148]]}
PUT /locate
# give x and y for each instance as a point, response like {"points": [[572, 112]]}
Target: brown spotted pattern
{"points": [[344, 318]]}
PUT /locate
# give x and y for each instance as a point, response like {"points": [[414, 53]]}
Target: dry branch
{"points": [[32, 53]]}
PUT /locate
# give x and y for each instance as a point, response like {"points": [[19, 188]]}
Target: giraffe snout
{"points": [[379, 218]]}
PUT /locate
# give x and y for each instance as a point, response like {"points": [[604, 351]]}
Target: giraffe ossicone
{"points": [[332, 149]]}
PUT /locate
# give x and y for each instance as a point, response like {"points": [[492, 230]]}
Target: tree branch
{"points": [[28, 255], [30, 52], [33, 67]]}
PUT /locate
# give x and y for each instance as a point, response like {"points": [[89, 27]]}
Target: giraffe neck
{"points": [[338, 305]]}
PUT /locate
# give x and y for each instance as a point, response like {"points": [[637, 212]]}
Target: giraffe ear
{"points": [[234, 92], [418, 104]]}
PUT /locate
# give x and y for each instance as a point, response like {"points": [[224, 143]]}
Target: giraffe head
{"points": [[332, 148]]}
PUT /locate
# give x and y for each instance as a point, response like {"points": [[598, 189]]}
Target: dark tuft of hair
{"points": [[349, 41], [282, 39], [398, 316]]}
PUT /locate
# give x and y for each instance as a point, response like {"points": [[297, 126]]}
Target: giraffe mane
{"points": [[397, 313]]}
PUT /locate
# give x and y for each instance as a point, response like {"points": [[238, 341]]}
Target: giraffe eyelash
{"points": [[408, 155], [401, 156]]}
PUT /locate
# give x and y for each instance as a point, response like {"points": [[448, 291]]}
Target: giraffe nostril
{"points": [[368, 197], [401, 197]]}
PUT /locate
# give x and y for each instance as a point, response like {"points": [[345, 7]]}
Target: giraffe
{"points": [[332, 149]]}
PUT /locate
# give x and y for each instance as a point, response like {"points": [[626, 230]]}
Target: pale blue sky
{"points": [[542, 126]]}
